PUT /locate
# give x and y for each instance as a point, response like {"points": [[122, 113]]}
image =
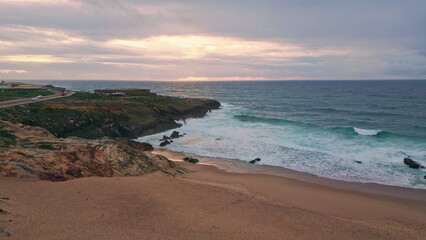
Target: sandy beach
{"points": [[208, 203]]}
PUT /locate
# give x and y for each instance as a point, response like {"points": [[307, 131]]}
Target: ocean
{"points": [[356, 131]]}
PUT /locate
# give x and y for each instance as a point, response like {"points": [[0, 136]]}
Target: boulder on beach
{"points": [[411, 163], [255, 160], [166, 142], [190, 159]]}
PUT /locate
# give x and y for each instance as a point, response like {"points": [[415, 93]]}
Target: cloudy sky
{"points": [[212, 40]]}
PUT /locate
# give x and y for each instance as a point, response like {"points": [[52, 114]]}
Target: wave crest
{"points": [[366, 132], [347, 131], [354, 131]]}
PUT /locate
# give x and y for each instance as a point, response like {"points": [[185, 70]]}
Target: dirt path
{"points": [[12, 103]]}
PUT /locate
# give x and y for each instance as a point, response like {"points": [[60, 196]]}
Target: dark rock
{"points": [[255, 160], [411, 163], [52, 176], [140, 145], [166, 142], [191, 160], [165, 138], [74, 171], [175, 134], [424, 177], [358, 161]]}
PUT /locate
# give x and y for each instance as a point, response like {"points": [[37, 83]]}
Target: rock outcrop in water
{"points": [[165, 143], [175, 134], [412, 164]]}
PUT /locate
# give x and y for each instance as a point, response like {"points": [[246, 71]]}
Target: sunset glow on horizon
{"points": [[161, 40]]}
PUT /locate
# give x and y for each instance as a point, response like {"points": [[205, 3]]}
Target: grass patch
{"points": [[5, 96], [7, 139], [47, 147], [150, 100], [93, 96]]}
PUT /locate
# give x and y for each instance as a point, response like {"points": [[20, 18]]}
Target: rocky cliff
{"points": [[92, 116], [37, 153], [87, 134]]}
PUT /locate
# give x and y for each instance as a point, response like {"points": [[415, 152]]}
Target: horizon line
{"points": [[213, 80]]}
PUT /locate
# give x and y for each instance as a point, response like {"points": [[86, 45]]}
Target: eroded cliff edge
{"points": [[33, 152], [88, 135]]}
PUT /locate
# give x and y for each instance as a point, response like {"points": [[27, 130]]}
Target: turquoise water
{"points": [[3, 85], [319, 127]]}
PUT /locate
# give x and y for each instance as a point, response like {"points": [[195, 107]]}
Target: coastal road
{"points": [[16, 102]]}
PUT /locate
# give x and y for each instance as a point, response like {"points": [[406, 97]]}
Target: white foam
{"points": [[366, 132], [312, 150]]}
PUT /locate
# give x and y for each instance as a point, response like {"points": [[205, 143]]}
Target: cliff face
{"points": [[93, 116], [87, 135], [39, 154]]}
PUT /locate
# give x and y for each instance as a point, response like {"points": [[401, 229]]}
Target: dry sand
{"points": [[209, 203]]}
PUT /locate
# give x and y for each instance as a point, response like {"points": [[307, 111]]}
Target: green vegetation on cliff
{"points": [[90, 115], [6, 137], [5, 96]]}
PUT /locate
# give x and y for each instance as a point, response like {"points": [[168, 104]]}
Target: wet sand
{"points": [[210, 203]]}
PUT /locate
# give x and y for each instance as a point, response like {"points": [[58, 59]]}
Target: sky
{"points": [[212, 40]]}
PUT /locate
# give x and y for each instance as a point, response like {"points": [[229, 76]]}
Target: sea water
{"points": [[349, 130]]}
